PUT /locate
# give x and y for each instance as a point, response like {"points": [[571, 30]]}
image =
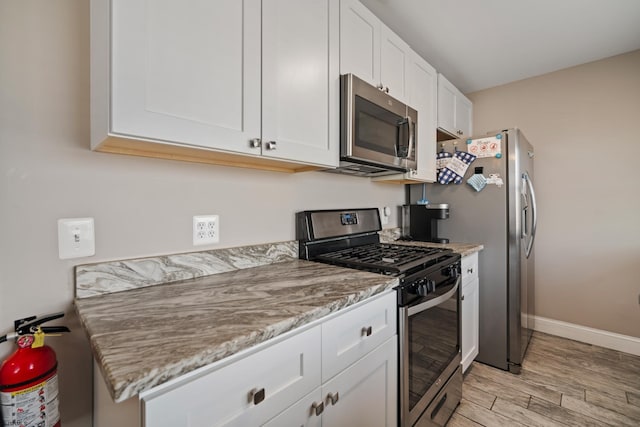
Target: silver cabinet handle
{"points": [[459, 132], [386, 89], [470, 270], [462, 298], [318, 408], [255, 143], [333, 398], [367, 331], [256, 395], [270, 145], [380, 86]]}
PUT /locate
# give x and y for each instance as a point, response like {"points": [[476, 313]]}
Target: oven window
{"points": [[376, 129], [433, 343]]}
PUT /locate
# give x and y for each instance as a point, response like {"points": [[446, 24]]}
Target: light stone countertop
{"points": [[147, 336]]}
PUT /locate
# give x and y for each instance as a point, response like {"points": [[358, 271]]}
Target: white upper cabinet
{"points": [[394, 62], [201, 78], [371, 51], [359, 42], [175, 78], [300, 89], [455, 110], [422, 86]]}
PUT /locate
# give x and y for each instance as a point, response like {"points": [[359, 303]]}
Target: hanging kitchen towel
{"points": [[477, 180], [443, 159], [456, 168]]}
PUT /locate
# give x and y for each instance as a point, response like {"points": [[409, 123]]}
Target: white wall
{"points": [[583, 123], [141, 206]]}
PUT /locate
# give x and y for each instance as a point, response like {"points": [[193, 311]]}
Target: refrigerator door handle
{"points": [[534, 214]]}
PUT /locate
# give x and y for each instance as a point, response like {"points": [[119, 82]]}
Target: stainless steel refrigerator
{"points": [[503, 219]]}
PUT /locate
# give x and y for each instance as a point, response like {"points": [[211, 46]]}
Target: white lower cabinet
{"points": [[365, 394], [245, 393], [470, 310], [340, 372]]}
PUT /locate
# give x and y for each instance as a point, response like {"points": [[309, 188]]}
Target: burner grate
{"points": [[392, 259]]}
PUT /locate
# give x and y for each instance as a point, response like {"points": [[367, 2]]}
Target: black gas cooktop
{"points": [[385, 258]]}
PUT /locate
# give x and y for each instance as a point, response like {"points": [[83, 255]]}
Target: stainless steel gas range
{"points": [[430, 376]]}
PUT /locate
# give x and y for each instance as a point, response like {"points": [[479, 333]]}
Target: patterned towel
{"points": [[456, 169]]}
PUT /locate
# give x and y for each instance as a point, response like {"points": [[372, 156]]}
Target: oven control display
{"points": [[348, 218]]}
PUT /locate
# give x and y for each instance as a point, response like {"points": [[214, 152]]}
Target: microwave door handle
{"points": [[412, 135]]}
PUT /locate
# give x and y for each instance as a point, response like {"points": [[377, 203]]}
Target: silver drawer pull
{"points": [[333, 398], [318, 408], [470, 270], [367, 331], [256, 395]]}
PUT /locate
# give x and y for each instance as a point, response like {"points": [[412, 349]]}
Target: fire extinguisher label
{"points": [[35, 406]]}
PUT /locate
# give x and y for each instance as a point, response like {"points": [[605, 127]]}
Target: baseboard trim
{"points": [[624, 343]]}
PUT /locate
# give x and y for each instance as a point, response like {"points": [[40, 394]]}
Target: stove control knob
{"points": [[452, 271], [431, 285], [425, 287]]}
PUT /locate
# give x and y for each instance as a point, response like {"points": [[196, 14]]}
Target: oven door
{"points": [[376, 128], [429, 351]]}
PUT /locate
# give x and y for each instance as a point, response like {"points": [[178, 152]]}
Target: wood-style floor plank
{"points": [[523, 415], [515, 381], [473, 394], [594, 411], [562, 383], [620, 406], [484, 416], [458, 420], [562, 416]]}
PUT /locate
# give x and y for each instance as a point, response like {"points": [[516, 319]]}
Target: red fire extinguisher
{"points": [[29, 377]]}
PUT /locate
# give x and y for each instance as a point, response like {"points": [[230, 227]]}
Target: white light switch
{"points": [[76, 238], [385, 213]]}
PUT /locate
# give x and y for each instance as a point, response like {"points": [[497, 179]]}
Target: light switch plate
{"points": [[76, 238]]}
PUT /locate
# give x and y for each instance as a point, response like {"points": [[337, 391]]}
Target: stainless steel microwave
{"points": [[377, 132]]}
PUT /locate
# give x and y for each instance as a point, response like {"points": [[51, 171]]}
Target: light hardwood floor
{"points": [[563, 383]]}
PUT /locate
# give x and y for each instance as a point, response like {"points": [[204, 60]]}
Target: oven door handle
{"points": [[436, 301]]}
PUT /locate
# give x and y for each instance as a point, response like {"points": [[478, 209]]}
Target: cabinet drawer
{"points": [[469, 265], [285, 371], [348, 337]]}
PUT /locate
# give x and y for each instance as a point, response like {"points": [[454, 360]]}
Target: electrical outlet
{"points": [[206, 229]]}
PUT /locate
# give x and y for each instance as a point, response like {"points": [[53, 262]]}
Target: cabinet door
{"points": [[303, 413], [464, 115], [394, 59], [446, 105], [282, 372], [470, 323], [359, 42], [366, 391], [186, 73], [350, 336], [300, 80], [422, 86]]}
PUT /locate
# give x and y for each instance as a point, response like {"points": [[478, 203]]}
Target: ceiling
{"points": [[478, 44]]}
